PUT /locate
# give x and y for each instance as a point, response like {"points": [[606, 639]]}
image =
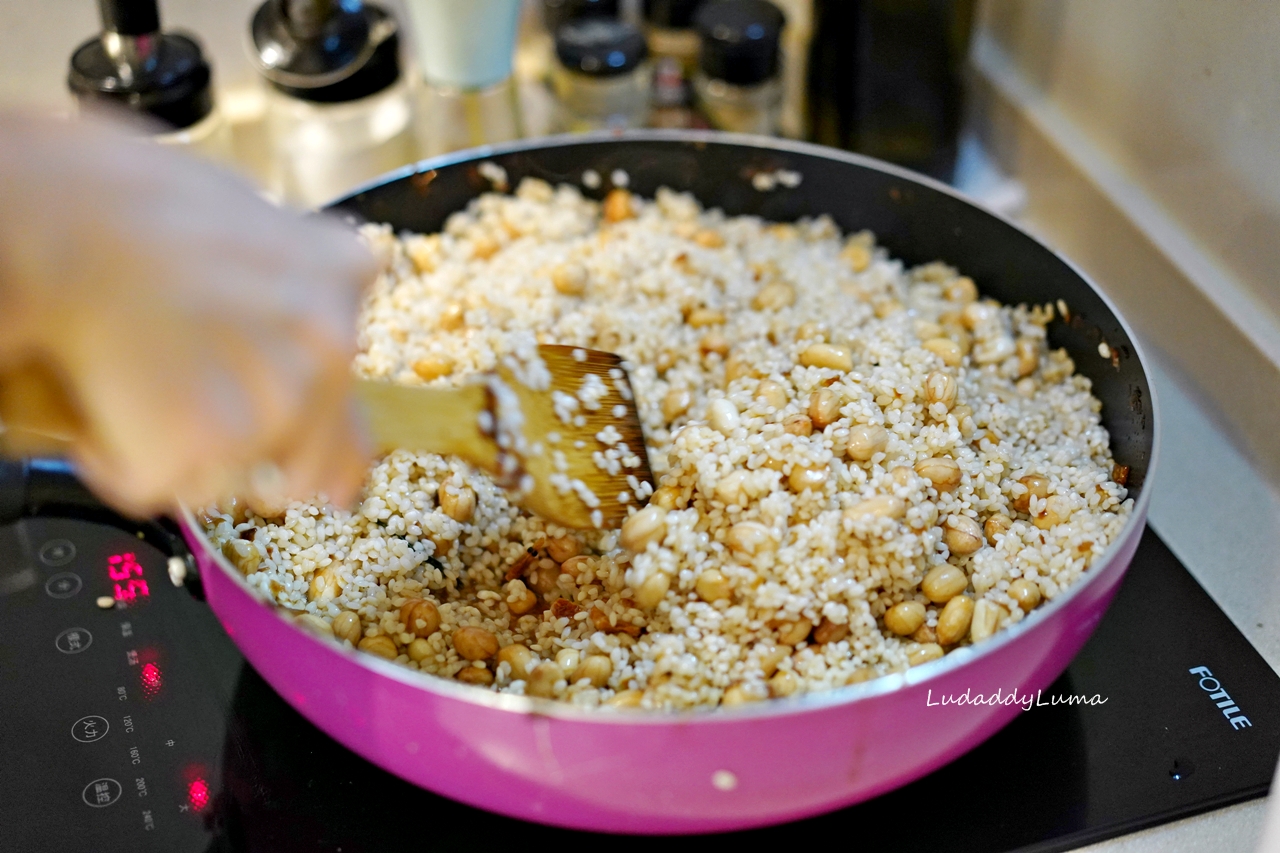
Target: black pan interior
{"points": [[916, 221]]}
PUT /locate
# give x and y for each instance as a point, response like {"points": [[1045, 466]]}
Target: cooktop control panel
{"points": [[112, 734]]}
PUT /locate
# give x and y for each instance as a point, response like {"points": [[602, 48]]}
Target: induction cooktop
{"points": [[129, 722]]}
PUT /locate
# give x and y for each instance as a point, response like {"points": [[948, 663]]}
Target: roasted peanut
{"points": [[723, 416], [712, 586], [804, 479], [708, 238], [617, 205], [346, 626], [830, 632], [953, 621], [477, 675], [714, 342], [771, 394], [783, 684], [456, 500], [652, 590], [824, 407], [905, 617], [700, 317], [736, 694], [773, 296], [924, 653], [542, 681], [940, 388], [857, 256], [1057, 509], [748, 538], [865, 441], [942, 471], [1036, 486], [942, 583], [310, 621], [791, 633], [885, 506], [625, 699], [675, 403], [519, 658], [520, 599], [452, 317], [419, 650], [570, 278], [242, 555], [737, 366], [1028, 352], [433, 367], [380, 645], [1026, 593], [798, 425], [475, 643], [946, 349], [827, 355], [961, 290], [595, 669], [645, 527], [997, 525], [420, 617], [987, 616], [324, 585], [962, 535]]}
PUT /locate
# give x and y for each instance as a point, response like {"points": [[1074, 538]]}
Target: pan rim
{"points": [[796, 705]]}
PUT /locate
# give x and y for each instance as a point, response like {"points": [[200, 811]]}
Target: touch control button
{"points": [[57, 552], [63, 585], [101, 793], [91, 728], [73, 641]]}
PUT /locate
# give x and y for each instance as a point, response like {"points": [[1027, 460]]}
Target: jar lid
{"points": [[739, 40], [325, 50], [557, 13], [671, 14], [135, 66], [601, 47]]}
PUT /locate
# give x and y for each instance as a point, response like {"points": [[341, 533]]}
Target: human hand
{"points": [[190, 333]]}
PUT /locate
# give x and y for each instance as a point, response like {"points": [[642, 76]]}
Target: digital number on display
{"points": [[126, 571]]}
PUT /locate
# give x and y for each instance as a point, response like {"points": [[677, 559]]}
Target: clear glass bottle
{"points": [[673, 43], [338, 109], [602, 80], [467, 95], [737, 84], [163, 77]]}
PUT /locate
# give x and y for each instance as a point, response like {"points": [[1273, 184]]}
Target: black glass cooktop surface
{"points": [[141, 728]]}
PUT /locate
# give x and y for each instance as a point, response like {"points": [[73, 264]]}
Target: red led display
{"points": [[126, 571], [152, 680], [198, 794]]}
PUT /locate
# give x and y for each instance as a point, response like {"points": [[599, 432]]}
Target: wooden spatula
{"points": [[554, 447]]}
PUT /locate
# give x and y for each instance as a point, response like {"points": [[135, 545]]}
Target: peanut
{"points": [[954, 620], [380, 645], [475, 643], [962, 535], [942, 471], [420, 617], [942, 583], [865, 441], [647, 526], [827, 355], [905, 617], [519, 658], [346, 626], [824, 407]]}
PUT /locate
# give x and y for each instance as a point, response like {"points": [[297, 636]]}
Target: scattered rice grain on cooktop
{"points": [[860, 466]]}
